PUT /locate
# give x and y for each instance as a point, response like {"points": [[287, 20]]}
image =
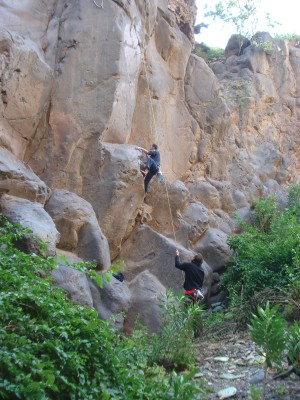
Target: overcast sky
{"points": [[286, 12]]}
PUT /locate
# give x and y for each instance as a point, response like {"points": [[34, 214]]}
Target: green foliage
{"points": [[237, 92], [52, 348], [215, 322], [243, 14], [255, 393], [265, 255], [293, 347], [264, 213], [184, 390], [174, 348], [294, 198], [266, 45], [208, 53], [268, 330], [214, 53], [291, 37]]}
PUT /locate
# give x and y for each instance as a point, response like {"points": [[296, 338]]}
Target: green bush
{"points": [[208, 53], [52, 348], [293, 347], [174, 348], [265, 255], [268, 331], [290, 37]]}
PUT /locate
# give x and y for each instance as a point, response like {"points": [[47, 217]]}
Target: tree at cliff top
{"points": [[245, 15]]}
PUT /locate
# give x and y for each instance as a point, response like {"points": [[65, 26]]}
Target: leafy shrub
{"points": [[208, 53], [268, 331], [174, 348], [52, 348], [294, 198], [266, 45], [264, 213], [292, 37], [264, 255], [293, 347]]}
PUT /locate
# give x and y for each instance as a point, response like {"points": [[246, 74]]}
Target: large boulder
{"points": [[147, 297], [194, 223], [32, 216], [150, 250], [75, 283], [214, 248], [26, 84], [205, 193], [111, 300], [96, 54], [17, 179], [167, 201], [116, 192], [236, 45], [79, 230]]}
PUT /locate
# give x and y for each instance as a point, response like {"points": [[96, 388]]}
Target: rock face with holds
{"points": [[81, 86]]}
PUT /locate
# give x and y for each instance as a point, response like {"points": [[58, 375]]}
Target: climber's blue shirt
{"points": [[154, 154]]}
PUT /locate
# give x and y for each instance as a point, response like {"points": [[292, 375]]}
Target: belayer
{"points": [[152, 166], [194, 276]]}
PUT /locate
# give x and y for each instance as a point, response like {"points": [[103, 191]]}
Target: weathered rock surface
{"points": [[113, 299], [32, 216], [79, 230], [82, 85], [75, 283], [214, 249], [26, 85], [147, 296], [116, 192], [17, 179], [150, 250]]}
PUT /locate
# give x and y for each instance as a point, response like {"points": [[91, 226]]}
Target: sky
{"points": [[286, 12]]}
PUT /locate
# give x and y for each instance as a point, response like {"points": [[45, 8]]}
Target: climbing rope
{"points": [[97, 5], [147, 19]]}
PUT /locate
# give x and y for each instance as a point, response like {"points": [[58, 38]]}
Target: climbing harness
{"points": [[97, 5], [154, 129], [195, 294]]}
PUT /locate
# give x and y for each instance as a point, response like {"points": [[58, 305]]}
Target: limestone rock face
{"points": [[32, 216], [26, 84], [17, 179], [81, 86], [194, 223], [116, 192], [152, 251], [167, 201], [79, 230], [147, 295], [113, 299], [214, 248], [75, 283]]}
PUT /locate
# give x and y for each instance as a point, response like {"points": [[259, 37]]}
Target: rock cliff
{"points": [[83, 82]]}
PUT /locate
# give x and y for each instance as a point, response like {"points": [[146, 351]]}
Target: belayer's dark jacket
{"points": [[194, 274]]}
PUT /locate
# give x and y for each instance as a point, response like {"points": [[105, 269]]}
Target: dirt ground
{"points": [[232, 362]]}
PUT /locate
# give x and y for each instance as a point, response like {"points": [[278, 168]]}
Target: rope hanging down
{"points": [[97, 5], [151, 104]]}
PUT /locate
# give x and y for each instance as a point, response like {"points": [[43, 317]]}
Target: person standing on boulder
{"points": [[194, 276], [152, 166]]}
